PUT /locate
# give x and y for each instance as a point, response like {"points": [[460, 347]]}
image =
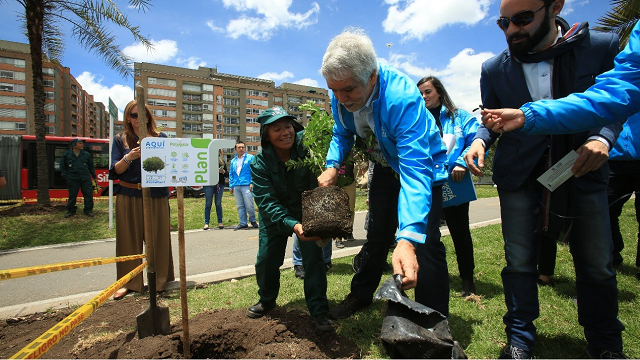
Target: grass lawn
{"points": [[476, 324]]}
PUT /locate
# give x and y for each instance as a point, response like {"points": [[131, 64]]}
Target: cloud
{"points": [[275, 76], [120, 94], [307, 82], [163, 51], [213, 26], [461, 76], [192, 62], [272, 15], [415, 19]]}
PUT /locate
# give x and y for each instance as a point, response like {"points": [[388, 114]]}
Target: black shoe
{"points": [[68, 215], [468, 288], [328, 265], [349, 306], [259, 310], [512, 352], [299, 270], [606, 354], [245, 226], [323, 323], [254, 224], [356, 263], [89, 214]]}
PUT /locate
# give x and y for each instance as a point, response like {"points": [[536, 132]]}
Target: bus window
{"points": [[58, 182]]}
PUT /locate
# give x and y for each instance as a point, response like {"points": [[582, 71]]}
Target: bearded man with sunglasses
{"points": [[547, 58]]}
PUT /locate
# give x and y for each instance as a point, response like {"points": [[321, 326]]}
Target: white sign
{"points": [[180, 161], [559, 172]]}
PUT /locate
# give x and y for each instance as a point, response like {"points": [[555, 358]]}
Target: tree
{"points": [[42, 19], [623, 16]]}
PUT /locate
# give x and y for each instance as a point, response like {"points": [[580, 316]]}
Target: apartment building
{"points": [[196, 103], [69, 110]]}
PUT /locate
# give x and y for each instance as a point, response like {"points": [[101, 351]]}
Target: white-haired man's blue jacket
{"points": [[410, 142]]}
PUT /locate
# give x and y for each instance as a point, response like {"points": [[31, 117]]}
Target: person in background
{"points": [[379, 103], [240, 186], [278, 194], [457, 128], [3, 181], [77, 168], [624, 180], [548, 58], [218, 190], [126, 167], [298, 268]]}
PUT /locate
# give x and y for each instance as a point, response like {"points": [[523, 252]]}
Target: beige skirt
{"points": [[130, 239]]}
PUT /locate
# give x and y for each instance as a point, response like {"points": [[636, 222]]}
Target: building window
{"points": [[49, 107], [163, 103], [277, 99], [11, 61], [166, 124], [191, 97], [48, 71], [230, 92], [192, 87], [191, 127], [49, 95], [254, 111], [293, 108], [14, 75], [253, 130], [13, 113], [159, 81], [161, 92], [231, 111], [192, 117], [207, 87], [207, 107], [252, 120], [294, 99], [207, 97], [255, 139], [257, 93], [163, 113], [17, 88], [192, 107], [12, 100], [253, 148], [257, 102], [48, 83], [207, 117], [231, 130], [232, 102]]}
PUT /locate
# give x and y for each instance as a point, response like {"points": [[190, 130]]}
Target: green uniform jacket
{"points": [[278, 191], [77, 167]]}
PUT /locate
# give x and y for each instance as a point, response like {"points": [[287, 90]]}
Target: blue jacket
{"points": [[245, 173], [410, 142], [503, 85], [463, 126], [626, 148], [614, 97]]}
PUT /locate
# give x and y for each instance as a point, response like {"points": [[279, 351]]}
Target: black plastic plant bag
{"points": [[411, 330]]}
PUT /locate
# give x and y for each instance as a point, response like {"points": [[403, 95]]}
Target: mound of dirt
{"points": [[31, 209], [111, 332]]}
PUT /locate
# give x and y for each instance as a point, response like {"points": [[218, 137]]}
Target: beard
{"points": [[529, 41]]}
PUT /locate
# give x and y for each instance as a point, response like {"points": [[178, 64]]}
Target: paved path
{"points": [[211, 256]]}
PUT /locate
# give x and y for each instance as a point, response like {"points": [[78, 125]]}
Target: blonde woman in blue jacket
{"points": [[457, 128]]}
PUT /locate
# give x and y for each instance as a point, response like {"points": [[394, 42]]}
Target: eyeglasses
{"points": [[523, 18], [133, 115]]}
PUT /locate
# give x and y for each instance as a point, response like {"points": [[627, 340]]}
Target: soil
{"points": [[110, 332], [326, 213], [30, 209]]}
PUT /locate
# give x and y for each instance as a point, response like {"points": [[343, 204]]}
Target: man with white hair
{"points": [[382, 106]]}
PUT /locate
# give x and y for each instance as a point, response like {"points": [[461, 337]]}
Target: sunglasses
{"points": [[523, 18], [133, 115]]}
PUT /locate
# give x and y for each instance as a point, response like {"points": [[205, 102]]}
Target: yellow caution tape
{"points": [[76, 264], [52, 336]]}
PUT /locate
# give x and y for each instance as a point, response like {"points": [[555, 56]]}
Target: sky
{"points": [[284, 40]]}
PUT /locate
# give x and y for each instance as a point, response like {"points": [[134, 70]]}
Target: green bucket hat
{"points": [[274, 114]]}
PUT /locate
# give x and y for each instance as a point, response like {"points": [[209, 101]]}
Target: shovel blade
{"points": [[152, 322]]}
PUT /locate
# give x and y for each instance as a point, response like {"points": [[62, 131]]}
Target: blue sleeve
{"points": [[613, 98], [469, 129]]}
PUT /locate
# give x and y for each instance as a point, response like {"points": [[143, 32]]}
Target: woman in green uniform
{"points": [[278, 194]]}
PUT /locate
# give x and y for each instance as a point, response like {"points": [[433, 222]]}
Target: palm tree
{"points": [[42, 19], [623, 16]]}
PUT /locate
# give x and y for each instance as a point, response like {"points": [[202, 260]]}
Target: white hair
{"points": [[350, 54]]}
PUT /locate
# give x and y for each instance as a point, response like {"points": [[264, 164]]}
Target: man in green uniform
{"points": [[77, 168]]}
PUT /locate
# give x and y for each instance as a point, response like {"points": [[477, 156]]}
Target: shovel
{"points": [[154, 320]]}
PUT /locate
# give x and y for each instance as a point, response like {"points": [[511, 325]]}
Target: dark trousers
{"points": [[624, 179], [271, 253], [458, 223], [87, 192], [433, 279]]}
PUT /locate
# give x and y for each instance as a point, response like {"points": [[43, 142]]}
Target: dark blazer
{"points": [[503, 85]]}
